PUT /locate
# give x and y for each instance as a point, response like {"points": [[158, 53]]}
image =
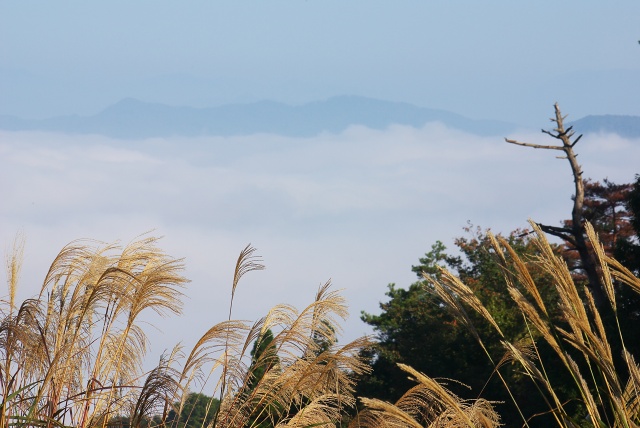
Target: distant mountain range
{"points": [[624, 126], [133, 119]]}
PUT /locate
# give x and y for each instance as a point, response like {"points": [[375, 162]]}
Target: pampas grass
{"points": [[72, 356], [428, 404], [610, 396]]}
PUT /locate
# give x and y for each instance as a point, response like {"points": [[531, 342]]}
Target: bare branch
{"points": [[555, 229], [560, 232], [577, 139], [576, 235], [566, 131], [535, 146]]}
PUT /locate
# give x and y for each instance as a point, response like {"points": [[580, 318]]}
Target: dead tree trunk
{"points": [[575, 235]]}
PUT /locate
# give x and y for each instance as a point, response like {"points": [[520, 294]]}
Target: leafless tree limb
{"points": [[563, 233], [576, 234], [535, 146]]}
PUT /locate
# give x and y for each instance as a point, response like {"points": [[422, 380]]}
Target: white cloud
{"points": [[359, 207], [118, 155]]}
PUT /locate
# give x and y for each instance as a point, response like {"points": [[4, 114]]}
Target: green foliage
{"points": [[125, 422], [607, 207], [627, 250], [198, 411], [264, 358], [579, 338], [412, 329], [614, 212], [565, 352], [417, 329]]}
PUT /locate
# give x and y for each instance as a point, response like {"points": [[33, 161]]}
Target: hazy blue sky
{"points": [[490, 59]]}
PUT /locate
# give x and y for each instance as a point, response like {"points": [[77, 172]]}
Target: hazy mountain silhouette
{"points": [[624, 126], [132, 118]]}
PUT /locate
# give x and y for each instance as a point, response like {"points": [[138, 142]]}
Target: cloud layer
{"points": [[358, 208]]}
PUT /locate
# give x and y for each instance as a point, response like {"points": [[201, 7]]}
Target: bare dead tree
{"points": [[574, 235]]}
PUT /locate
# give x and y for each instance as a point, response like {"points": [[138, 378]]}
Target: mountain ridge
{"points": [[131, 118]]}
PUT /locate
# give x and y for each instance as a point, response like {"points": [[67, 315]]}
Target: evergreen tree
{"points": [[627, 250], [264, 358], [198, 411], [606, 207], [416, 329]]}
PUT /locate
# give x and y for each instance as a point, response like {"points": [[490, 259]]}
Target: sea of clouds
{"points": [[357, 208]]}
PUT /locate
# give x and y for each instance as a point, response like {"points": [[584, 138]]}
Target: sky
{"points": [[485, 60], [357, 208]]}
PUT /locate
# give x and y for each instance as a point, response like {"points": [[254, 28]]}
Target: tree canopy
{"points": [[415, 327], [198, 411]]}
